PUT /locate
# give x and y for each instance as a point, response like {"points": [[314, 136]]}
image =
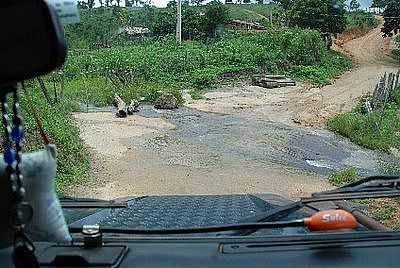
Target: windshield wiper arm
{"points": [[375, 184], [71, 202], [370, 187]]}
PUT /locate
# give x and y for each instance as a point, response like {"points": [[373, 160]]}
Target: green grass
{"points": [[196, 95], [330, 67], [373, 131], [255, 13], [361, 129], [386, 211], [72, 156], [343, 177], [199, 65], [99, 91]]}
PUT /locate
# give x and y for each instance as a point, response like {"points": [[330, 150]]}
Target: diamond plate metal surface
{"points": [[169, 212], [183, 211]]}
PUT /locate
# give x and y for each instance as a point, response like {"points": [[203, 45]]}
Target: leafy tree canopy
{"points": [[323, 15], [392, 18], [379, 3], [285, 4], [354, 5]]}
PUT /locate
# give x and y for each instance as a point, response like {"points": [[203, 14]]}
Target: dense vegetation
{"points": [[73, 160], [324, 15], [101, 27], [375, 131], [361, 21], [392, 15], [197, 64], [266, 15]]}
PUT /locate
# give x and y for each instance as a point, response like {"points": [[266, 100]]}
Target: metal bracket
{"points": [[92, 237]]}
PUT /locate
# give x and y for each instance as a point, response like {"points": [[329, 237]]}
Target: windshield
{"points": [[183, 100]]}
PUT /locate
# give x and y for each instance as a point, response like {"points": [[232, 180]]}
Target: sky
{"points": [[160, 3], [363, 3]]}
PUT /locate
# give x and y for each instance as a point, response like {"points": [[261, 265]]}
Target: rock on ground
{"points": [[166, 101]]}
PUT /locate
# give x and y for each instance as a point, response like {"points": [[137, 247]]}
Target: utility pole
{"points": [[179, 24]]}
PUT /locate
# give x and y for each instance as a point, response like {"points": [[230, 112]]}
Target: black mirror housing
{"points": [[31, 41]]}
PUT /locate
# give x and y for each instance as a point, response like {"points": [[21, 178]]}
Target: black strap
{"points": [[24, 252]]}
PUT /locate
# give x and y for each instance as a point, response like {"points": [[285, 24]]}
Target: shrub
{"points": [[72, 156], [343, 177], [373, 131], [198, 64]]}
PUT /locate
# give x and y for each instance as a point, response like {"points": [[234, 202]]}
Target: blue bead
{"points": [[17, 134], [9, 156]]}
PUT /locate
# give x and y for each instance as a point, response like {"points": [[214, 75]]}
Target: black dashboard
{"points": [[369, 249]]}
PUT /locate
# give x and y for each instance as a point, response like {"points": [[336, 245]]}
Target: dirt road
{"points": [[371, 55], [241, 139], [310, 106]]}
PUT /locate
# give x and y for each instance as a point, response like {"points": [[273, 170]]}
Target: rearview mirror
{"points": [[31, 40]]}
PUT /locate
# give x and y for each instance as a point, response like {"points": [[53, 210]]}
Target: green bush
{"points": [[373, 131], [72, 156], [323, 15], [256, 13], [332, 65], [343, 177], [361, 20], [396, 53], [99, 90], [198, 64]]}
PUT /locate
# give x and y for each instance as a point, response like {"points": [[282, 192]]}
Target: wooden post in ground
{"points": [[121, 105]]}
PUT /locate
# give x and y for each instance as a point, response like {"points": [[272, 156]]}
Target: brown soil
{"points": [[371, 53]]}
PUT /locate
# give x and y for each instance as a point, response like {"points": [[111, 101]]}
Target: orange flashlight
{"points": [[331, 220]]}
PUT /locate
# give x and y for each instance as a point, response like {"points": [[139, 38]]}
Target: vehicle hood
{"points": [[178, 211]]}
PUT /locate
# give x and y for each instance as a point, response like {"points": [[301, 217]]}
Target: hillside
{"points": [[254, 13]]}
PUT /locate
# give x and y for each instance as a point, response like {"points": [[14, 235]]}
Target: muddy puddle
{"points": [[205, 139], [188, 151]]}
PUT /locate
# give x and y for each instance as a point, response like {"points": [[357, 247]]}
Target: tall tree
{"points": [[128, 3], [323, 15], [379, 3], [82, 5], [216, 14], [354, 5], [197, 2], [392, 18], [90, 4], [285, 4]]}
